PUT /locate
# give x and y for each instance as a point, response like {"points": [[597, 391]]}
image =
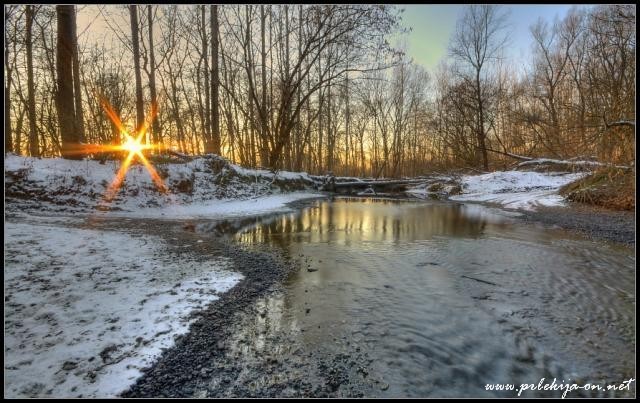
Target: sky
{"points": [[432, 26]]}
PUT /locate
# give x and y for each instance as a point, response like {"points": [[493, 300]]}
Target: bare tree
{"points": [[31, 93], [8, 68], [77, 92], [133, 14], [155, 126], [64, 70], [477, 41], [215, 82]]}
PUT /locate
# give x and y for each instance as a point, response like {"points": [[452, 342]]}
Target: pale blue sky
{"points": [[432, 26]]}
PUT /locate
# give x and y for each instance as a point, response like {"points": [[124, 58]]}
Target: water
{"points": [[437, 300]]}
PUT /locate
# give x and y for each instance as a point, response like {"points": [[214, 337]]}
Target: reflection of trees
{"points": [[326, 232], [370, 220]]}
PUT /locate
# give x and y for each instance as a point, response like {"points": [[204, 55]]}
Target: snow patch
{"points": [[220, 209], [516, 189], [85, 310]]}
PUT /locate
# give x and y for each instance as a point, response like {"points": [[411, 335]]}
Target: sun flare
{"points": [[134, 147]]}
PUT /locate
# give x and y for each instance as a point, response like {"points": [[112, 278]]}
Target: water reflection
{"points": [[372, 220], [443, 298]]}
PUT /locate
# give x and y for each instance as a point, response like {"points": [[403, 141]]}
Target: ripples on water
{"points": [[445, 298]]}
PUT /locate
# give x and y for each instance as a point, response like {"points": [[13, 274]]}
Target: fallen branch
{"points": [[184, 157], [479, 280], [630, 123], [516, 156], [476, 170], [590, 164]]}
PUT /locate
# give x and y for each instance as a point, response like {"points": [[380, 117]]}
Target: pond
{"points": [[437, 299]]}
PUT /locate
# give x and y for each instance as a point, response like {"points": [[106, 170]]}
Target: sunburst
{"points": [[131, 144], [135, 148]]}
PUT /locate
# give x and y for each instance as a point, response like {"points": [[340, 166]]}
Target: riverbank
{"points": [[595, 223], [538, 197], [231, 348], [277, 341], [226, 352]]}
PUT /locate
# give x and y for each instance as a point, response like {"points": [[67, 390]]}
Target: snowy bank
{"points": [[85, 310], [217, 209], [516, 189], [206, 186], [509, 189]]}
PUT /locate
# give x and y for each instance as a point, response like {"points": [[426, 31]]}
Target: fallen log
{"points": [[569, 163]]}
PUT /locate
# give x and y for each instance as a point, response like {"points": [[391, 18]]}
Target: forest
{"points": [[320, 88]]}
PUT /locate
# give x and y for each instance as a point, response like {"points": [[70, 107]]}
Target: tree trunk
{"points": [[347, 117], [481, 132], [33, 135], [264, 152], [330, 134], [207, 89], [215, 83], [64, 70], [152, 77], [79, 121], [8, 144], [19, 124], [133, 10]]}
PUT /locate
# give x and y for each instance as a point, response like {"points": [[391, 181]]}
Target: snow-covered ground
{"points": [[85, 310], [516, 189], [207, 187], [511, 189], [225, 208]]}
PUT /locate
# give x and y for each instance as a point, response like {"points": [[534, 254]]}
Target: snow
{"points": [[85, 310], [203, 187], [583, 163], [268, 174], [221, 209], [516, 189]]}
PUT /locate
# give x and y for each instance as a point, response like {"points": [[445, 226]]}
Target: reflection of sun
{"points": [[132, 145]]}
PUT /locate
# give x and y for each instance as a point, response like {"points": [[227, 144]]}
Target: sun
{"points": [[131, 144], [134, 147]]}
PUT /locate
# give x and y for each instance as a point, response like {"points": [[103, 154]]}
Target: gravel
{"points": [[596, 223]]}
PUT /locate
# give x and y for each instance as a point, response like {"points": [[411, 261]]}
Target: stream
{"points": [[399, 298]]}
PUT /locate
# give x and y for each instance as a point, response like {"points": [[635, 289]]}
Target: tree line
{"points": [[319, 87]]}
